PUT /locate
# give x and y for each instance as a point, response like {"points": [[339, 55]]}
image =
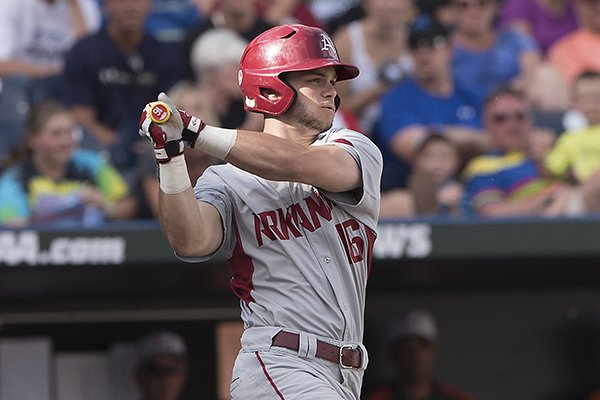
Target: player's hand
{"points": [[161, 123]]}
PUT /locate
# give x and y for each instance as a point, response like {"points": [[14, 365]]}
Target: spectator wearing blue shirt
{"points": [[486, 58], [428, 99], [111, 75]]}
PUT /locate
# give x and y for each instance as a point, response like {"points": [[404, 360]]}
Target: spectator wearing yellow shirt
{"points": [[576, 154]]}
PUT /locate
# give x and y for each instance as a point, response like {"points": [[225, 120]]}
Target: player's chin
{"points": [[328, 116]]}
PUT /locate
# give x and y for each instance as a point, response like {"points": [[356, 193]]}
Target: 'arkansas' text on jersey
{"points": [[279, 224]]}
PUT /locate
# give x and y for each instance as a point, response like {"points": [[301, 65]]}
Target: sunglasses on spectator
{"points": [[501, 118], [163, 370], [464, 5]]}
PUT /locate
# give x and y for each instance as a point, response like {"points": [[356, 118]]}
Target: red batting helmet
{"points": [[285, 48]]}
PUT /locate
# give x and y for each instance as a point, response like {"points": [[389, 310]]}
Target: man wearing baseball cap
{"points": [[162, 366], [413, 349], [429, 98]]}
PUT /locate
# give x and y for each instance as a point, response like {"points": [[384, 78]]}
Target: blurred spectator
{"points": [[413, 349], [35, 35], [329, 11], [486, 58], [508, 181], [169, 20], [49, 180], [191, 98], [433, 180], [548, 93], [578, 51], [576, 155], [353, 13], [215, 58], [377, 45], [241, 16], [545, 20], [162, 366], [278, 12], [429, 99], [442, 10], [111, 75]]}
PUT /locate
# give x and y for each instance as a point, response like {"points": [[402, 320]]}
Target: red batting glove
{"points": [[165, 137]]}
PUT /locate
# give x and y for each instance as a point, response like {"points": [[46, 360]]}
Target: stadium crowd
{"points": [[480, 107]]}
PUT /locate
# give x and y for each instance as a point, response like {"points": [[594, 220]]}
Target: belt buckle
{"points": [[345, 346]]}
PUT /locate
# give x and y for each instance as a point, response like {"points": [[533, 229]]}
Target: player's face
{"points": [[55, 141], [314, 107], [508, 120]]}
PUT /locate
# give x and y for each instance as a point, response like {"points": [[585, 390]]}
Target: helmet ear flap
{"points": [[258, 95]]}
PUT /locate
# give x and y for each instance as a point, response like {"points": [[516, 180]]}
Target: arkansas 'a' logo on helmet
{"points": [[328, 46]]}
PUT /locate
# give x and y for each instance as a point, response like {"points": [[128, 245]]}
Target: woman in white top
{"points": [[377, 45], [35, 34]]}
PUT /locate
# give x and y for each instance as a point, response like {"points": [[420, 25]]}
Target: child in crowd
{"points": [[433, 179], [47, 179]]}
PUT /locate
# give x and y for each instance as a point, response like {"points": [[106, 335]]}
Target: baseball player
{"points": [[294, 210]]}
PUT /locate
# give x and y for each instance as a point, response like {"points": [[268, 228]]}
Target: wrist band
{"points": [[216, 141], [173, 176]]}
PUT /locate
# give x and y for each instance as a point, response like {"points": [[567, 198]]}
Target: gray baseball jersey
{"points": [[300, 256]]}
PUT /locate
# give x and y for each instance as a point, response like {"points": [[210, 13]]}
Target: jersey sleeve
{"points": [[369, 159]]}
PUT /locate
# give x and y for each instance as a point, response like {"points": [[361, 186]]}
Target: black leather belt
{"points": [[346, 356]]}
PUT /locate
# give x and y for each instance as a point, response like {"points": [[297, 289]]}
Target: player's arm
{"points": [[326, 166], [193, 228]]}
